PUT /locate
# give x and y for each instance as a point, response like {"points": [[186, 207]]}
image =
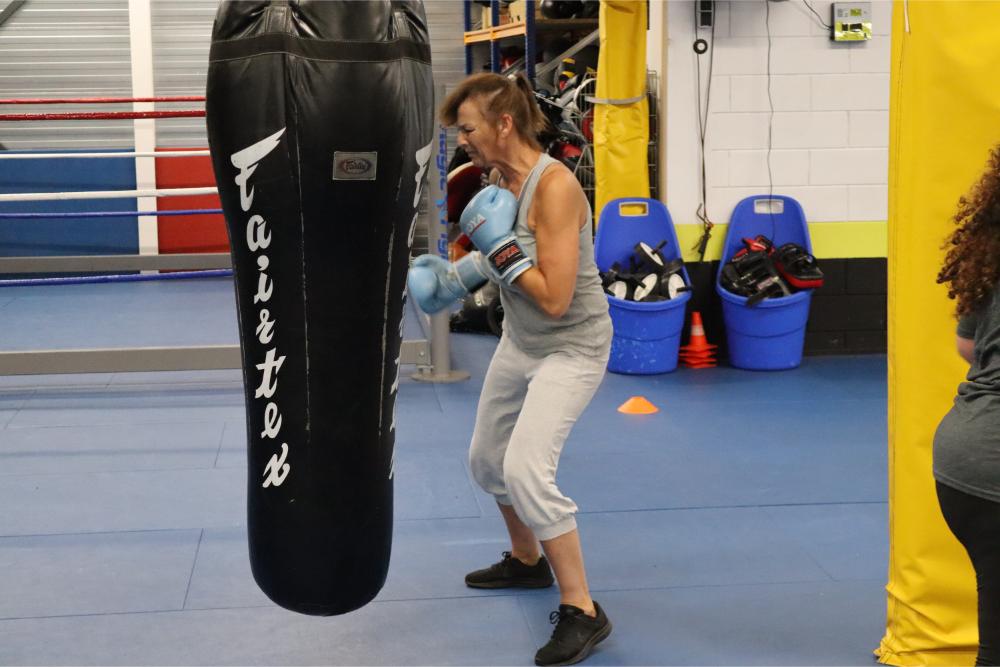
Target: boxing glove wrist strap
{"points": [[470, 274], [508, 260]]}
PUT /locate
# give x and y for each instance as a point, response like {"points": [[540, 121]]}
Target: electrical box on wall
{"points": [[851, 21], [706, 13]]}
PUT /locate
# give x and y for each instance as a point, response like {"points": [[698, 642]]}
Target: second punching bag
{"points": [[320, 117]]}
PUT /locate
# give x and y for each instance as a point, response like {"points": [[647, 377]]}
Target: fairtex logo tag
{"points": [[358, 166], [355, 166]]}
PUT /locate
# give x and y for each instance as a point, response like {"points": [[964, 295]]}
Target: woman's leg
{"points": [[500, 401], [976, 523], [560, 388], [523, 544], [566, 557]]}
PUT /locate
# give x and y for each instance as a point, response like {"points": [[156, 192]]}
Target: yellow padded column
{"points": [[944, 117], [621, 114]]}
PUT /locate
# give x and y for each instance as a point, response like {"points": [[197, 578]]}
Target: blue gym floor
{"points": [[744, 524]]}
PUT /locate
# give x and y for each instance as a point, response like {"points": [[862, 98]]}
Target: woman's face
{"points": [[476, 134]]}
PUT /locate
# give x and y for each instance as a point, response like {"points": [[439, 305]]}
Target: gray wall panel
{"points": [[66, 48], [182, 33], [182, 30], [71, 48]]}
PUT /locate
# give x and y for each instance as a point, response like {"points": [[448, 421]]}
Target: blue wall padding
{"points": [[68, 236]]}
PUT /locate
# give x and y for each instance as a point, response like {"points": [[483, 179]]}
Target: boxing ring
{"points": [[431, 355]]}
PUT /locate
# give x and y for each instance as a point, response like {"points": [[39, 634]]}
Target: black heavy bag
{"points": [[320, 118]]}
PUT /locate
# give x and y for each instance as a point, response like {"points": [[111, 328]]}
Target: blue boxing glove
{"points": [[436, 283], [488, 220]]}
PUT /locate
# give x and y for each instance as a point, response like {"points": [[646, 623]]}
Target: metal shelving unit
{"points": [[526, 29]]}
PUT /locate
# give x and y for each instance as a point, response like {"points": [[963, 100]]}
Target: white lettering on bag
{"points": [[265, 330], [264, 284], [276, 469], [270, 365], [422, 156], [246, 161], [272, 421], [258, 238]]}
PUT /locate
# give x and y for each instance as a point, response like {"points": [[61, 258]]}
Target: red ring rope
{"points": [[99, 100], [102, 115]]}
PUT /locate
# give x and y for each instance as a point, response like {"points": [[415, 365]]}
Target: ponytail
{"points": [[501, 95], [539, 122]]}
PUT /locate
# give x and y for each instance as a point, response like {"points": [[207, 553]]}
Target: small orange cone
{"points": [[638, 405], [698, 353]]}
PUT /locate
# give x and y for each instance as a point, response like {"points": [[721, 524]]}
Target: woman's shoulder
{"points": [[559, 195], [557, 176]]}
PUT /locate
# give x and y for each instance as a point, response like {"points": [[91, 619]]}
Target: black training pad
{"points": [[337, 98]]}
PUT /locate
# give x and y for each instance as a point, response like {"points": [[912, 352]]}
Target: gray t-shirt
{"points": [[967, 442], [586, 326]]}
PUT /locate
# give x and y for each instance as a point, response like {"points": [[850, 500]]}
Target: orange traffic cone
{"points": [[698, 353], [638, 405]]}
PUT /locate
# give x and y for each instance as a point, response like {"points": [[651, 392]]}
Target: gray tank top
{"points": [[586, 326]]}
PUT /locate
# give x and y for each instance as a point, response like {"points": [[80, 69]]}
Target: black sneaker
{"points": [[511, 573], [575, 636]]}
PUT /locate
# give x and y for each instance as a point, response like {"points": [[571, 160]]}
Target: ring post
{"points": [[437, 243]]}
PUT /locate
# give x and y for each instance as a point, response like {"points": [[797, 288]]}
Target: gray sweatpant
{"points": [[526, 411]]}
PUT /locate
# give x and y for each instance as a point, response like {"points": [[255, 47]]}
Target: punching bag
{"points": [[320, 118]]}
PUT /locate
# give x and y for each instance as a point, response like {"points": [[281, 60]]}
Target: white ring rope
{"points": [[108, 194], [6, 155]]}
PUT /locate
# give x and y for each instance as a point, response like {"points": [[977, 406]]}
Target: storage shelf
{"points": [[519, 29]]}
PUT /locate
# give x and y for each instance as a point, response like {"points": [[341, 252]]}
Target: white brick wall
{"points": [[850, 92], [750, 93], [867, 202], [848, 166], [742, 55], [809, 129], [868, 128], [750, 167], [830, 128]]}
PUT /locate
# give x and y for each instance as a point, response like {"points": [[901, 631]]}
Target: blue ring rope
{"points": [[126, 278], [109, 214]]}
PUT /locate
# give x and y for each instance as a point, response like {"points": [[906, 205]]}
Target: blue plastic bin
{"points": [[770, 335], [646, 335]]}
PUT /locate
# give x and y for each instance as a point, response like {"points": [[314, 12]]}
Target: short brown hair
{"points": [[501, 95]]}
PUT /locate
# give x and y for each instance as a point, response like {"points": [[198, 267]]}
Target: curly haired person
{"points": [[967, 442]]}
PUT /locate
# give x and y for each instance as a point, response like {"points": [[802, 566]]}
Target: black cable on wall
{"points": [[701, 47]]}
